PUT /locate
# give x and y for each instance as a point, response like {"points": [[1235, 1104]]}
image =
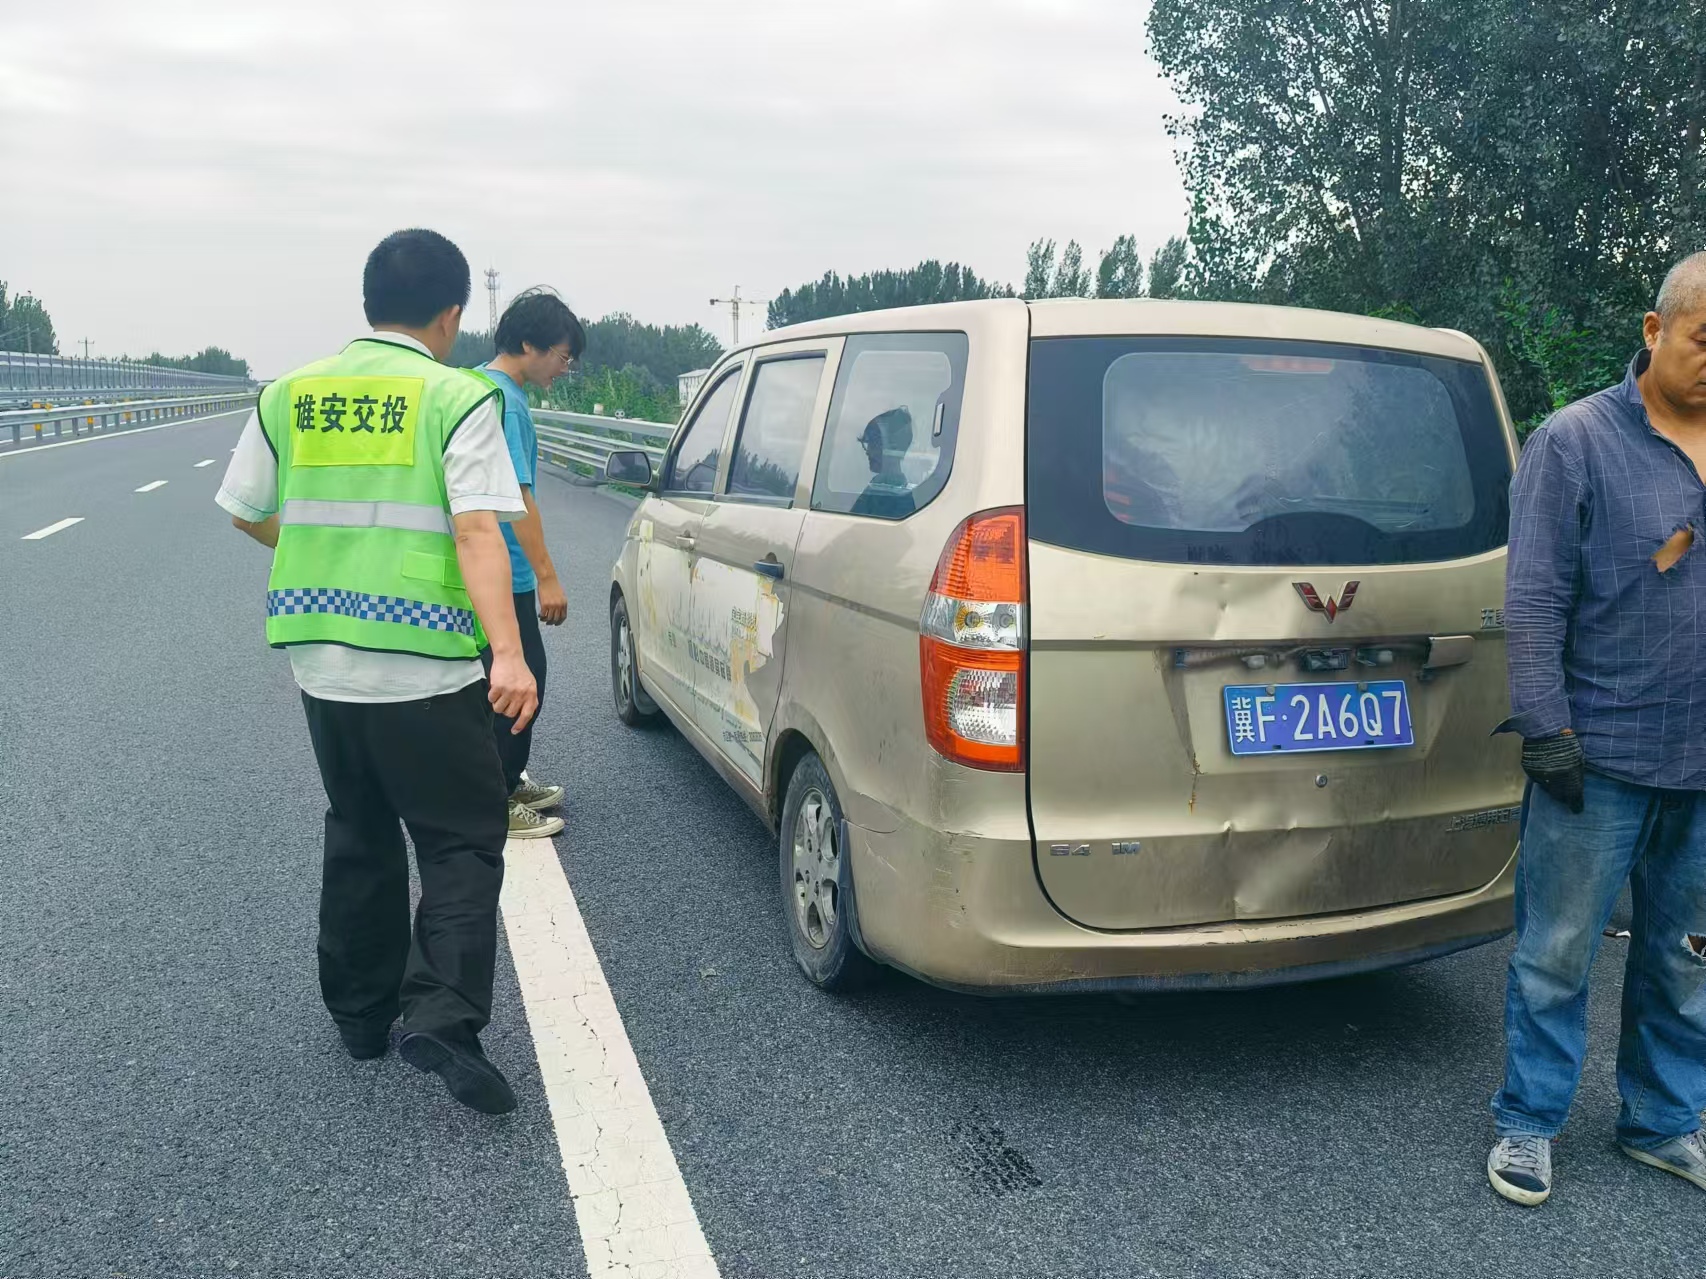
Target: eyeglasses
{"points": [[563, 355]]}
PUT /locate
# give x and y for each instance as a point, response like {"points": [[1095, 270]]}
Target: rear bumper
{"points": [[967, 913]]}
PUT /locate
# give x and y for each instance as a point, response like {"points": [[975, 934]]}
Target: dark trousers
{"points": [[514, 748], [431, 764]]}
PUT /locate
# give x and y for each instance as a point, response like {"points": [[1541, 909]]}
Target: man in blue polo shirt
{"points": [[538, 340]]}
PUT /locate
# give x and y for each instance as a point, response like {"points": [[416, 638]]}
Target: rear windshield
{"points": [[1252, 451]]}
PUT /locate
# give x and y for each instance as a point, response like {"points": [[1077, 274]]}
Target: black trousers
{"points": [[515, 748], [431, 764]]}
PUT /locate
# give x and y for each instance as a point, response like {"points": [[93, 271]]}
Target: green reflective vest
{"points": [[366, 554]]}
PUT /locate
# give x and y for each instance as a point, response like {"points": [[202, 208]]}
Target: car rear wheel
{"points": [[817, 882], [633, 707]]}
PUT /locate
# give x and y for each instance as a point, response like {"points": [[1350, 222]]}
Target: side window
{"points": [[694, 467], [775, 428], [893, 420]]}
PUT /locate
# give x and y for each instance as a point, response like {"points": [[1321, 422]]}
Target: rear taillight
{"points": [[971, 644]]}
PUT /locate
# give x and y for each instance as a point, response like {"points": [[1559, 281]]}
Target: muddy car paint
{"points": [[1086, 871]]}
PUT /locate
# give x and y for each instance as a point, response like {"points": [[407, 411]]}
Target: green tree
{"points": [[1514, 168], [1039, 270], [213, 360], [1071, 279], [1067, 277], [619, 341], [1167, 269], [473, 348], [632, 391], [628, 368], [1120, 273], [926, 283], [25, 325]]}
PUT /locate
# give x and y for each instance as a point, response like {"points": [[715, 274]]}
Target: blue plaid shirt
{"points": [[1599, 640]]}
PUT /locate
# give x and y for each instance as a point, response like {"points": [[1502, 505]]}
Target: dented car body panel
{"points": [[1135, 848], [1228, 837]]}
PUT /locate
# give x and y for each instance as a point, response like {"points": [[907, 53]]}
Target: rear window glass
{"points": [[1234, 451]]}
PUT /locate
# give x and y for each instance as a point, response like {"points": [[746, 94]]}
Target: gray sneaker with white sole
{"points": [[536, 795], [1520, 1169], [524, 823], [1684, 1156]]}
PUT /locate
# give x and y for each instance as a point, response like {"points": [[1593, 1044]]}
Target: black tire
{"points": [[818, 907], [633, 707]]}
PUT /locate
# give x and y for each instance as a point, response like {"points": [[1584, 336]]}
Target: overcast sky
{"points": [[186, 174]]}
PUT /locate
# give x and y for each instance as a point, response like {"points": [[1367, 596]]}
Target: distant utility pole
{"points": [[734, 304], [492, 297], [85, 348]]}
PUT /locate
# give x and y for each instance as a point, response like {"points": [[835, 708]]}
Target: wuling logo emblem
{"points": [[1329, 607]]}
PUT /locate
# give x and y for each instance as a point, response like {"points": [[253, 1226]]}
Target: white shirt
{"points": [[478, 476]]}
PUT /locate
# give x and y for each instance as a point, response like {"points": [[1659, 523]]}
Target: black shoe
{"points": [[472, 1080], [364, 1043]]}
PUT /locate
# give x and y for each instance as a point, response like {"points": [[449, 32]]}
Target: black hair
{"points": [[541, 319], [411, 277], [891, 430]]}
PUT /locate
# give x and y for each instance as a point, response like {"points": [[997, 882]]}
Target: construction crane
{"points": [[734, 304]]}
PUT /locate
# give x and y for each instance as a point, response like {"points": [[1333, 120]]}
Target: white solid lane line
{"points": [[51, 529], [151, 486], [208, 462], [634, 1213]]}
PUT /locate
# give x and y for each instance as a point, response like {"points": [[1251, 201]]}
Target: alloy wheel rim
{"points": [[817, 870], [624, 663]]}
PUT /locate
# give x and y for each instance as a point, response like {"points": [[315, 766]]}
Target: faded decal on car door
{"points": [[736, 615], [745, 552]]}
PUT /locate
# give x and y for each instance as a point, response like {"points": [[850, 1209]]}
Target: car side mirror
{"points": [[628, 466]]}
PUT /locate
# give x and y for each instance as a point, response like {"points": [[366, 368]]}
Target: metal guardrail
{"points": [[580, 442], [87, 418], [22, 372], [16, 398]]}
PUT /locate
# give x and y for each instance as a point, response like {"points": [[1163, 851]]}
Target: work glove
{"points": [[1555, 765]]}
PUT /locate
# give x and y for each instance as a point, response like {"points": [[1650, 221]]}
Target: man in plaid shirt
{"points": [[1605, 614]]}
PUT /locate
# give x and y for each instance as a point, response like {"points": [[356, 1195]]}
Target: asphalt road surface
{"points": [[174, 1102]]}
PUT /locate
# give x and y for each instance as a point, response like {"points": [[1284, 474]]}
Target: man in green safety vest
{"points": [[380, 475]]}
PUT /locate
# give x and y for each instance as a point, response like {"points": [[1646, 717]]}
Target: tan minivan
{"points": [[1094, 645]]}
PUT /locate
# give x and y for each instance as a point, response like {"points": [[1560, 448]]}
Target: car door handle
{"points": [[686, 541], [770, 568]]}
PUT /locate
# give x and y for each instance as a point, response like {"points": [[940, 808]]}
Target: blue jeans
{"points": [[1569, 875]]}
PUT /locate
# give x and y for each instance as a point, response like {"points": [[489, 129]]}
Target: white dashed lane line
{"points": [[635, 1216], [207, 462], [152, 485], [51, 529]]}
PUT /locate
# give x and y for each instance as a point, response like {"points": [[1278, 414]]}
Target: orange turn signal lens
{"points": [[972, 645]]}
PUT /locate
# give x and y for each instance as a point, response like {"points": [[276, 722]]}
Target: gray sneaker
{"points": [[1520, 1169], [1685, 1156], [536, 796], [524, 823]]}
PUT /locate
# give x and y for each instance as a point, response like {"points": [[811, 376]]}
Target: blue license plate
{"points": [[1262, 719]]}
